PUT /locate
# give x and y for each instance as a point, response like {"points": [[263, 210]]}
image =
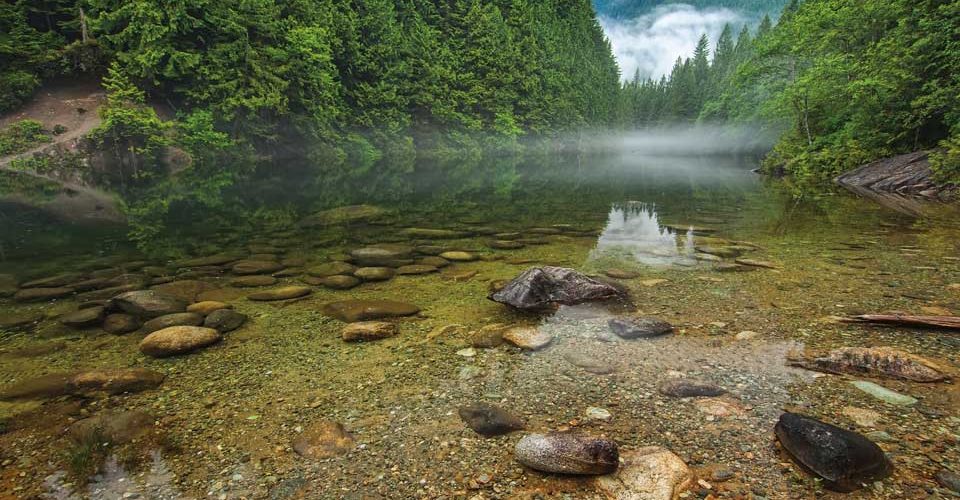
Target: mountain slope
{"points": [[629, 9]]}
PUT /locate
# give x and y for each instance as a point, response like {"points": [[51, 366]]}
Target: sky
{"points": [[652, 42]]}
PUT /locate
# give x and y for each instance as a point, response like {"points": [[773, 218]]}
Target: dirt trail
{"points": [[74, 106]]}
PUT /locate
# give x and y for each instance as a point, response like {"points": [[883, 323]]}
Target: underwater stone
{"points": [[634, 328], [185, 290], [458, 256], [385, 255], [415, 269], [208, 306], [84, 318], [120, 323], [331, 269], [568, 453], [374, 273], [648, 473], [338, 282], [433, 234], [845, 460], [58, 281], [542, 287], [488, 420], [41, 294], [368, 331], [175, 319], [83, 383], [884, 394], [352, 311], [323, 439], [147, 304], [246, 267], [343, 215], [253, 281], [178, 340], [588, 363], [527, 337], [224, 320], [689, 388], [283, 293]]}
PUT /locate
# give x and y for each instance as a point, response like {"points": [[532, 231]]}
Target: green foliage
{"points": [[21, 136], [844, 81], [946, 162]]}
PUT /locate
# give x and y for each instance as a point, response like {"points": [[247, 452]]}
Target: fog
{"points": [[652, 42], [685, 140]]}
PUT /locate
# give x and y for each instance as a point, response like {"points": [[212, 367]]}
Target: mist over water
{"points": [[652, 42], [687, 140]]}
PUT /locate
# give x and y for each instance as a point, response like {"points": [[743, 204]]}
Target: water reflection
{"points": [[635, 230]]}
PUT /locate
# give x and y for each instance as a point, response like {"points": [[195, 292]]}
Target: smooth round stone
{"points": [[58, 281], [177, 319], [148, 304], [284, 293], [367, 331], [845, 460], [41, 294], [414, 269], [589, 363], [253, 281], [544, 230], [290, 272], [178, 340], [433, 234], [224, 320], [185, 290], [323, 440], [264, 257], [527, 338], [634, 328], [374, 273], [208, 306], [690, 388], [459, 256], [621, 274], [488, 420], [432, 250], [388, 255], [294, 261], [338, 282], [507, 236], [246, 267], [119, 324], [331, 269], [727, 252], [505, 245], [438, 262], [84, 318], [568, 453], [488, 337], [352, 311]]}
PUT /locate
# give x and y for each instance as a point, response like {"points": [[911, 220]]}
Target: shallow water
{"points": [[225, 418]]}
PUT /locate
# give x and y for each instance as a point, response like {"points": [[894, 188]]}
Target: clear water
{"points": [[223, 422]]}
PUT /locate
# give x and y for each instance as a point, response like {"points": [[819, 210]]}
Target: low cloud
{"points": [[653, 42]]}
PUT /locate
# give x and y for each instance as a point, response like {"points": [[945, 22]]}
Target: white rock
{"points": [[650, 473], [594, 413]]}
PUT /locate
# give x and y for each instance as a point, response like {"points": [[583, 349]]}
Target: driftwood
{"points": [[947, 322]]}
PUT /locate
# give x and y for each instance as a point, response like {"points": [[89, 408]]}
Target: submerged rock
{"points": [[83, 383], [323, 439], [884, 394], [351, 311], [185, 290], [457, 256], [8, 285], [588, 363], [845, 460], [343, 215], [116, 427], [224, 320], [635, 328], [374, 273], [178, 340], [147, 304], [415, 269], [568, 453], [84, 318], [208, 306], [41, 294], [542, 287], [119, 324], [338, 282], [527, 337], [246, 267], [176, 319], [368, 331], [488, 420], [385, 255], [60, 280], [727, 252], [253, 281], [689, 388], [948, 479], [433, 234], [877, 361], [649, 473], [283, 293], [331, 269]]}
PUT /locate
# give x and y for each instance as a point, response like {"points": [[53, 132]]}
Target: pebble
{"points": [[527, 338], [595, 413], [884, 394]]}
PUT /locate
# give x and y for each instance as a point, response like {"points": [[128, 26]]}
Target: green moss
{"points": [[22, 136]]}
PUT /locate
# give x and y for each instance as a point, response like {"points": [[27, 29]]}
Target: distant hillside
{"points": [[628, 9]]}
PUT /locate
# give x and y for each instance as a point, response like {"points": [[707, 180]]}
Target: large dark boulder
{"points": [[844, 459], [543, 287]]}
